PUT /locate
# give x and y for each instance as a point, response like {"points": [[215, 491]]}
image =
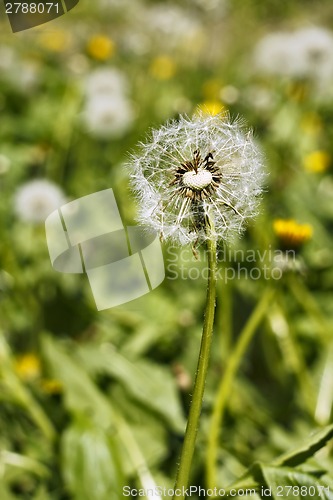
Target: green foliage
{"points": [[93, 401]]}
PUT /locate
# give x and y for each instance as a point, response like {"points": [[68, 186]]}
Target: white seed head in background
{"points": [[35, 200], [304, 53]]}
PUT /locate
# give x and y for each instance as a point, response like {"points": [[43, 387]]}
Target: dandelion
{"points": [[28, 366], [35, 200], [211, 107], [163, 68], [56, 40], [107, 112], [292, 234], [108, 116], [278, 54], [317, 161], [171, 25], [100, 47], [105, 82], [195, 169], [306, 53], [198, 180]]}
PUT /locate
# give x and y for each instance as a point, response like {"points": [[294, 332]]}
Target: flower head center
{"points": [[197, 179]]}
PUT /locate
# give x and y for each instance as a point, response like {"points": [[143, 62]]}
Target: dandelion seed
{"points": [[195, 169]]}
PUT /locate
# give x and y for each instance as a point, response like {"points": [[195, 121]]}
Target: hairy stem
{"points": [[226, 384], [200, 379]]}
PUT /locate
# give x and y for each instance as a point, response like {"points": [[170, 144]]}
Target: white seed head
{"points": [[108, 116], [194, 168], [35, 200], [304, 53]]}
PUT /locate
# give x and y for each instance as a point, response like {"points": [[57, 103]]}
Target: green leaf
{"points": [[86, 402], [254, 476], [149, 432], [90, 463], [81, 394], [307, 450], [19, 463], [148, 383]]}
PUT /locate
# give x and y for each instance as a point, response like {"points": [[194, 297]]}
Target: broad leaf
{"points": [[307, 450], [148, 383], [90, 463]]}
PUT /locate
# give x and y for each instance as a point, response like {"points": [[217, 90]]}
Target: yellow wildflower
{"points": [[101, 47], [291, 233], [55, 40], [52, 386], [162, 68], [211, 107], [28, 366], [317, 161]]}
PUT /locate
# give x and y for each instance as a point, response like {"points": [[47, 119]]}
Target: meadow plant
{"points": [[198, 180]]}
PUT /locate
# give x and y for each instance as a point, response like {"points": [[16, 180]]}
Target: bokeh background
{"points": [[92, 401]]}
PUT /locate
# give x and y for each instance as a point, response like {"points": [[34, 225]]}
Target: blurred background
{"points": [[92, 401]]}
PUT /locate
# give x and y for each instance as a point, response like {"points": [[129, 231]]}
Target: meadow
{"points": [[94, 403]]}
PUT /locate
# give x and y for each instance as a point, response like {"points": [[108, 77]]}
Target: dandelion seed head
{"points": [[105, 81], [194, 168], [35, 200], [304, 53], [107, 116]]}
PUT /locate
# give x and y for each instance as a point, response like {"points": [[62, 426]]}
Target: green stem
{"points": [[226, 384], [200, 379]]}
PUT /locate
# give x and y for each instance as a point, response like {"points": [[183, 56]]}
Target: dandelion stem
{"points": [[200, 379], [226, 384]]}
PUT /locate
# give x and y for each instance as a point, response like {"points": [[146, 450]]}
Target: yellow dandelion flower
{"points": [[28, 366], [163, 68], [291, 233], [51, 386], [101, 47], [211, 107], [317, 161], [55, 40]]}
